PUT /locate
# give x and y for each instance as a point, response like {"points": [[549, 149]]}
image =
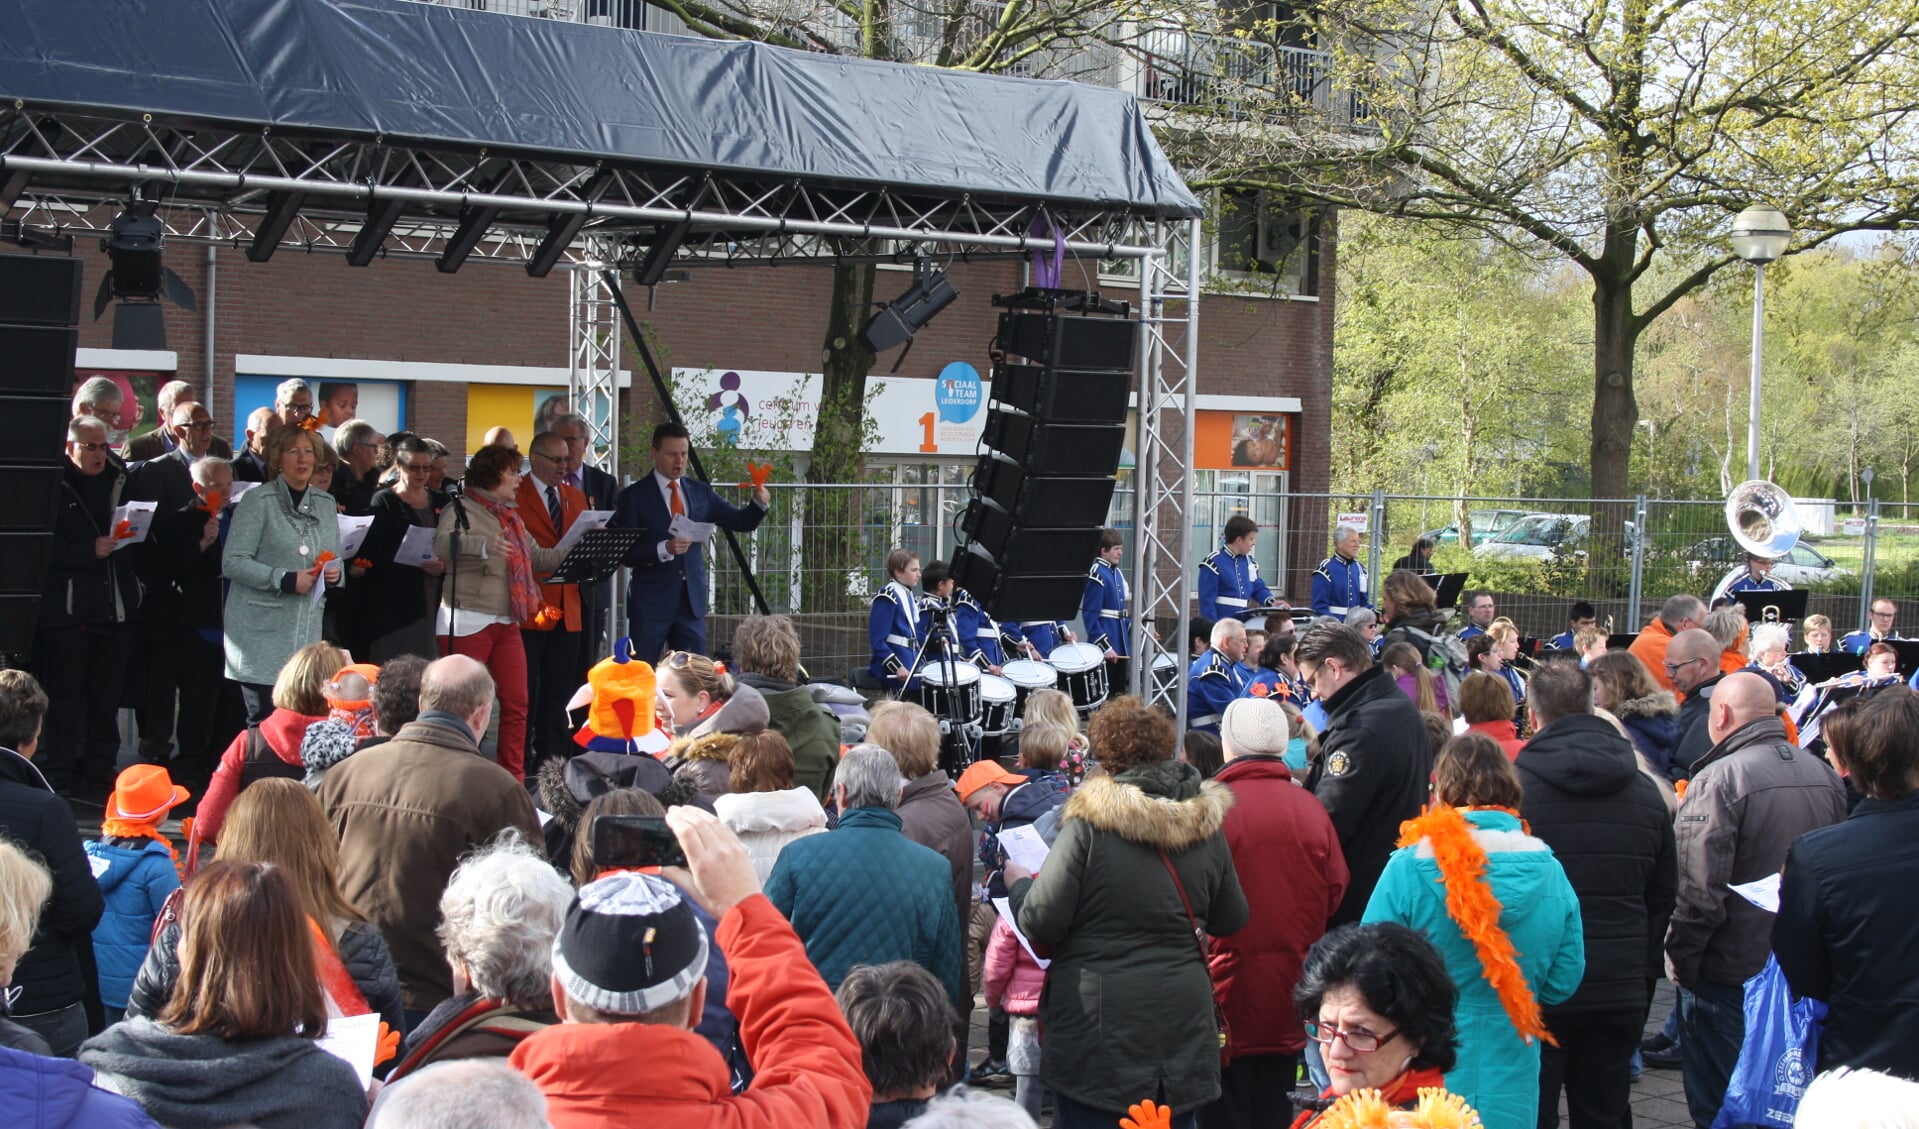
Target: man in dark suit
{"points": [[666, 597], [549, 507], [602, 492], [167, 481], [185, 625], [250, 465], [161, 439], [167, 478]]}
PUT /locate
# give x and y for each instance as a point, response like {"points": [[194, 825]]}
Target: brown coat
{"points": [[405, 812]]}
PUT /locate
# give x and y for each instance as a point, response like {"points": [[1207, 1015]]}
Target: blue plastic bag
{"points": [[1777, 1059]]}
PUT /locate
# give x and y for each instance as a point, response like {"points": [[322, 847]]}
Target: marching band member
{"points": [[1753, 576], [1103, 608], [1229, 580], [972, 635], [1817, 632], [1216, 677], [1880, 629], [1581, 615], [1042, 635], [892, 627], [1339, 583]]}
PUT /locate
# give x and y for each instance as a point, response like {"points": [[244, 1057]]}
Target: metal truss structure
{"points": [[68, 172]]}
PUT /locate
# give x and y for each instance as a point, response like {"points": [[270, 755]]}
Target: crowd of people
{"points": [[426, 883]]}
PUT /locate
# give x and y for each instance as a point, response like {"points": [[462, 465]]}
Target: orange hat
{"points": [[981, 773], [144, 794]]}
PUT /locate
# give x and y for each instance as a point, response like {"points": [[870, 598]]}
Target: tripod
{"points": [[959, 736]]}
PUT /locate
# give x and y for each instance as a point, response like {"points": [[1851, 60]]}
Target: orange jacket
{"points": [[539, 526], [808, 1073], [1649, 647]]}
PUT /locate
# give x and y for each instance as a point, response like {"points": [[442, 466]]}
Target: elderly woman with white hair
{"points": [[471, 1094], [1766, 647], [498, 917], [357, 442]]}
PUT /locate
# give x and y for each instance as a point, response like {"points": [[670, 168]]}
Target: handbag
{"points": [[1199, 941]]}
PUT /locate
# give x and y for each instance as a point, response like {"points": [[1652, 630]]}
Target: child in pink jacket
{"points": [[1013, 982]]}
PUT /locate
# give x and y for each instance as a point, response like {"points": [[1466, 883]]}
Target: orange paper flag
{"points": [[759, 473], [389, 1045], [214, 502], [123, 531]]}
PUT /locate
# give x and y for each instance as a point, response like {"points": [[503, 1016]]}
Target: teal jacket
{"points": [[866, 894], [1497, 1072]]}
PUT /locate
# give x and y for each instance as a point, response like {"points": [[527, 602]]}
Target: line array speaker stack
{"points": [[1055, 427], [39, 310]]}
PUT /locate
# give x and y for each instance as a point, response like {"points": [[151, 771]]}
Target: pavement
{"points": [[1658, 1098]]}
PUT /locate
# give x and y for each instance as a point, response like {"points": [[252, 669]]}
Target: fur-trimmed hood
{"points": [[1164, 805], [709, 747], [1659, 703]]}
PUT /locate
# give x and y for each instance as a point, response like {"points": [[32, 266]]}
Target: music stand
{"points": [[1908, 655], [1446, 588], [597, 554], [1824, 668], [1791, 605]]}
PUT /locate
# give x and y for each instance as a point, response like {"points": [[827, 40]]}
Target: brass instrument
{"points": [[1764, 522]]}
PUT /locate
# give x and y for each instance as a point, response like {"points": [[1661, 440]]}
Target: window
{"points": [[1263, 240]]}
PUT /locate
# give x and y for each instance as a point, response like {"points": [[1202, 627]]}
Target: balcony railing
{"points": [[1236, 75]]}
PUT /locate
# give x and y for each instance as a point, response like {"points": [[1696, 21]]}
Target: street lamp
{"points": [[1759, 235]]}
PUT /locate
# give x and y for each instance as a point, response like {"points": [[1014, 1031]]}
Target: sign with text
{"points": [[777, 411], [1361, 521]]}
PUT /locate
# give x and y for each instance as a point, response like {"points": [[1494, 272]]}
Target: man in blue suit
{"points": [[666, 596]]}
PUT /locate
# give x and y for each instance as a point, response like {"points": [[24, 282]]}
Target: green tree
{"points": [[1618, 138]]}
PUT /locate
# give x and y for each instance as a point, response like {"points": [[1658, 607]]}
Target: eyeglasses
{"points": [[1675, 668], [299, 409], [678, 660], [550, 458], [78, 446], [368, 446], [201, 425], [1885, 615], [1365, 1042], [418, 468]]}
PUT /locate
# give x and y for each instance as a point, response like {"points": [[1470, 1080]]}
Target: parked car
{"points": [[1542, 537], [1716, 556], [1487, 524]]}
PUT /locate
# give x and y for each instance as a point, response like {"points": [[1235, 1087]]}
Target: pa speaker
{"points": [[39, 290], [1070, 342], [1021, 548], [18, 615], [1043, 447], [37, 360], [29, 498], [37, 428], [1045, 500], [1012, 597], [1064, 395]]}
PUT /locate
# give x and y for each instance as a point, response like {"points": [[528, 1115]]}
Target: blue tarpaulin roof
{"points": [[431, 75]]}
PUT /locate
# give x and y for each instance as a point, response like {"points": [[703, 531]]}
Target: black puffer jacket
{"points": [[48, 976], [361, 949], [1374, 766], [81, 587], [1609, 829]]}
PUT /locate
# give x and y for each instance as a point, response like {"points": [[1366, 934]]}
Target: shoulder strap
{"points": [[1199, 935]]}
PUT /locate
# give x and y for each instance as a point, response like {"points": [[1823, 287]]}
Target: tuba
{"points": [[1764, 521]]}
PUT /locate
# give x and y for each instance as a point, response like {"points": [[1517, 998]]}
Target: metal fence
{"points": [[820, 554]]}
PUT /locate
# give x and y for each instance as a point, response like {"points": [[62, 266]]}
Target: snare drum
{"points": [[951, 692], [997, 696], [1026, 675], [1165, 673], [1082, 674]]}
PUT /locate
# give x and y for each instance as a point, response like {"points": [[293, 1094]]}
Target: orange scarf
{"points": [[1367, 1108], [125, 829], [1471, 905]]}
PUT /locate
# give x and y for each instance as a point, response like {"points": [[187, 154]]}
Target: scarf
{"points": [[127, 829], [1471, 905], [522, 591], [1420, 1090]]}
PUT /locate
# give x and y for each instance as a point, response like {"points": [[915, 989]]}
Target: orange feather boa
{"points": [[1472, 906]]}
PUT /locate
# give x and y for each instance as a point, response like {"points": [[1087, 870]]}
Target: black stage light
{"points": [[137, 278], [899, 319]]}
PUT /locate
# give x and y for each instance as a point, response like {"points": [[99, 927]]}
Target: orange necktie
{"points": [[678, 507]]}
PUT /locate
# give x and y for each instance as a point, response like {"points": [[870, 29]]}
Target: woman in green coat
{"points": [[1128, 1005], [1497, 904]]}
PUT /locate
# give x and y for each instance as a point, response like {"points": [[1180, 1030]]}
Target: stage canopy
{"points": [[297, 122]]}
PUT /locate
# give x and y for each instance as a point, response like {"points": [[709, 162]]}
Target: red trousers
{"points": [[497, 646]]}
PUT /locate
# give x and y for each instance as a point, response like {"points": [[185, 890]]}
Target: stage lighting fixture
{"points": [[900, 319], [137, 279]]}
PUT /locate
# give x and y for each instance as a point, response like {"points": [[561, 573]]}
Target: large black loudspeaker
{"points": [[1052, 445], [39, 308]]}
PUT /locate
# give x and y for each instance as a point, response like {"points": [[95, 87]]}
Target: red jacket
{"points": [[283, 730], [1290, 865], [808, 1068], [1013, 978], [1504, 732]]}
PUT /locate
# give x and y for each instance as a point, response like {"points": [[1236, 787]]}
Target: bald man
{"points": [[1691, 667], [407, 810], [500, 437], [1751, 795]]}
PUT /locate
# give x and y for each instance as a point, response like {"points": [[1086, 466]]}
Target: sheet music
{"points": [[588, 521], [1024, 846], [416, 547], [355, 1038], [1762, 892], [686, 529], [353, 535], [1005, 908], [138, 516]]}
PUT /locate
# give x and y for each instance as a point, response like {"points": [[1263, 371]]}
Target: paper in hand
{"points": [[319, 586], [1024, 846], [587, 522], [138, 519], [686, 529], [1762, 892], [353, 532], [355, 1038], [1005, 908], [416, 547]]}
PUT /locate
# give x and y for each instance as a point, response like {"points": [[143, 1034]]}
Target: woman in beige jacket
{"points": [[491, 591]]}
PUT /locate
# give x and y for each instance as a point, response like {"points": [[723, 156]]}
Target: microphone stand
{"points": [[941, 632]]}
